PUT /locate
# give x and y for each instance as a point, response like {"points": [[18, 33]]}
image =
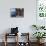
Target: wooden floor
{"points": [[13, 44]]}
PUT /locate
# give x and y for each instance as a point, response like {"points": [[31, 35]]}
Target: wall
{"points": [[24, 24]]}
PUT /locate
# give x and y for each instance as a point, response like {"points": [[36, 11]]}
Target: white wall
{"points": [[24, 24]]}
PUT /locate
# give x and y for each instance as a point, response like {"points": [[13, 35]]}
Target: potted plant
{"points": [[35, 26], [39, 35], [42, 27], [38, 27]]}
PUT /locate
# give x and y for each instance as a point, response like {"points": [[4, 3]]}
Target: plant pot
{"points": [[38, 40]]}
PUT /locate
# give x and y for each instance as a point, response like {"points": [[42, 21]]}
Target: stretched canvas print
{"points": [[13, 12], [41, 8], [41, 12], [17, 12]]}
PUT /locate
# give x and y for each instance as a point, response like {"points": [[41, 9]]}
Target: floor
{"points": [[13, 44]]}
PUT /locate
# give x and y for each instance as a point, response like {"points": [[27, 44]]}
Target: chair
{"points": [[7, 35], [14, 32], [25, 36]]}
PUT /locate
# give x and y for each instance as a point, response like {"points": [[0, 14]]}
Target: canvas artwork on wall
{"points": [[17, 12], [41, 8], [41, 12]]}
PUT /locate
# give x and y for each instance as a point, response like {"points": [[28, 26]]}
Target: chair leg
{"points": [[5, 43], [5, 40]]}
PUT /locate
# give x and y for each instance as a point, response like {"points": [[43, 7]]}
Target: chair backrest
{"points": [[14, 30]]}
